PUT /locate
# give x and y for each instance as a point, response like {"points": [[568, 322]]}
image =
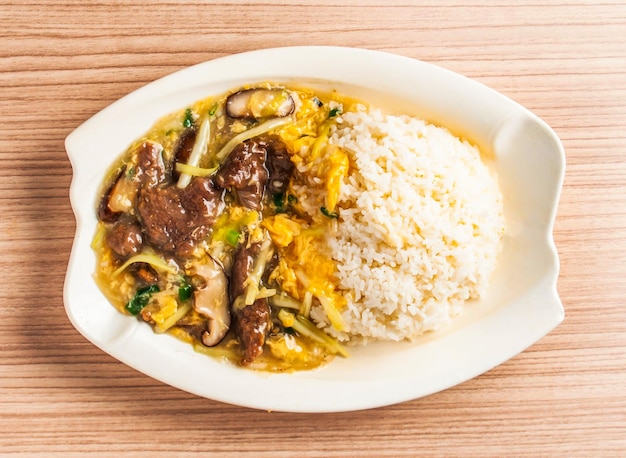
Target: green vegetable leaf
{"points": [[184, 292], [279, 202], [334, 112], [232, 237], [141, 299], [188, 120], [213, 109], [328, 214]]}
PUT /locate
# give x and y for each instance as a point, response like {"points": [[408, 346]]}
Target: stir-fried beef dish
{"points": [[203, 233]]}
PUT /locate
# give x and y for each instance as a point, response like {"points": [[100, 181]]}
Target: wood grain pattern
{"points": [[62, 61]]}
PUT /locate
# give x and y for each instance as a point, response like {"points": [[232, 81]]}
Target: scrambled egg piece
{"points": [[335, 167], [282, 229]]}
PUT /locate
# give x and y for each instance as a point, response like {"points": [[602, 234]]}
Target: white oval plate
{"points": [[522, 304]]}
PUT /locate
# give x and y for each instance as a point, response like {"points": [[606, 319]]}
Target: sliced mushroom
{"points": [[124, 195], [105, 213], [260, 103], [211, 301]]}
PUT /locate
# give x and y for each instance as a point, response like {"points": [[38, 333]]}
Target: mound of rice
{"points": [[419, 230]]}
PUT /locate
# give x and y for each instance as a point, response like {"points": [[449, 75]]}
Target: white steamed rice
{"points": [[419, 230]]}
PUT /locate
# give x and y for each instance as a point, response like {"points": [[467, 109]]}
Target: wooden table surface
{"points": [[61, 62]]}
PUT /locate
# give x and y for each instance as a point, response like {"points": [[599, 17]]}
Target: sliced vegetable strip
{"points": [[199, 148], [306, 328], [155, 261], [173, 319], [194, 171], [251, 133]]}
